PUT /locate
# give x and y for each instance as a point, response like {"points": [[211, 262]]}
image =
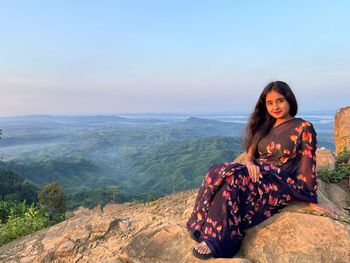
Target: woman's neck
{"points": [[281, 120]]}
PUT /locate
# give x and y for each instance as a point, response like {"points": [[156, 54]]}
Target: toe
{"points": [[206, 249], [198, 248], [203, 248]]}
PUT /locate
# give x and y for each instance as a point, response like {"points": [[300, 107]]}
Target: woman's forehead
{"points": [[274, 95]]}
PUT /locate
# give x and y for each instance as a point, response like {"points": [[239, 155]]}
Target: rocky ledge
{"points": [[155, 232]]}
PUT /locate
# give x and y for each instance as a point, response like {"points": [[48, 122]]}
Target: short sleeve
{"points": [[306, 173]]}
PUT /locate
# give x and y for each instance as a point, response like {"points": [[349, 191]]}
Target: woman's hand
{"points": [[324, 210], [254, 171]]}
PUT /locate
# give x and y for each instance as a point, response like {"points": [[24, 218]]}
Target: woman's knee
{"points": [[236, 174], [231, 172]]}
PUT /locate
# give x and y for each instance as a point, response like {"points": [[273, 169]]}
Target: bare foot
{"points": [[203, 248]]}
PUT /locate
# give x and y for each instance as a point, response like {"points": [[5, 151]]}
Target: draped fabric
{"points": [[228, 201]]}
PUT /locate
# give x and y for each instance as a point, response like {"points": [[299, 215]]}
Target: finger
{"points": [[334, 216], [257, 173], [252, 173], [346, 208], [253, 178], [332, 213]]}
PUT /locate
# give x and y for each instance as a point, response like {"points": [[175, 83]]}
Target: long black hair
{"points": [[260, 121]]}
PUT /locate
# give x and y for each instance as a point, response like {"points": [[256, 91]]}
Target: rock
{"points": [[29, 259], [325, 159], [295, 237], [147, 233], [334, 193], [66, 247], [191, 259], [342, 130]]}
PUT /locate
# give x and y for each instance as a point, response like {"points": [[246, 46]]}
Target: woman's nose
{"points": [[276, 107]]}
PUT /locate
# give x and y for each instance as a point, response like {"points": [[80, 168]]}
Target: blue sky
{"points": [[87, 57]]}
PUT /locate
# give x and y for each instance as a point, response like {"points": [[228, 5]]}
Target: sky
{"points": [[109, 57]]}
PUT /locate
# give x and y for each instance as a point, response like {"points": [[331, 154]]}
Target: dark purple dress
{"points": [[228, 202]]}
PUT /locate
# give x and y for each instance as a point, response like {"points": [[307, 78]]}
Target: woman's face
{"points": [[277, 105]]}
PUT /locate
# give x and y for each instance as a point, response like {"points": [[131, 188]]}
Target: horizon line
{"points": [[151, 113]]}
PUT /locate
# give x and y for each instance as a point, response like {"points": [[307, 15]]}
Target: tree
{"points": [[52, 196], [13, 187]]}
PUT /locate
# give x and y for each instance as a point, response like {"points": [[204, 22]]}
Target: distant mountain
{"points": [[77, 119], [178, 166], [139, 172], [70, 173], [200, 121]]}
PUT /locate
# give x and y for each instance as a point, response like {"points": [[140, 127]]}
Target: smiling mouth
{"points": [[277, 112]]}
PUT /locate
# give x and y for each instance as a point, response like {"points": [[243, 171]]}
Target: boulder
{"points": [[342, 130], [334, 193], [325, 159], [296, 237]]}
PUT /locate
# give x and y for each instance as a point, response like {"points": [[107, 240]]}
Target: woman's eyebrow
{"points": [[276, 99]]}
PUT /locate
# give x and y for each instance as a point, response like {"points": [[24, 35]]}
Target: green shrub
{"points": [[343, 157], [334, 176], [13, 208], [52, 196], [23, 219], [341, 171]]}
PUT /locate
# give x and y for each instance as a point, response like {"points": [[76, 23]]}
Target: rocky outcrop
{"points": [[298, 238], [325, 159], [342, 130], [334, 193], [155, 232]]}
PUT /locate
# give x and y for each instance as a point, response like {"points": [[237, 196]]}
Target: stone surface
{"points": [[304, 239], [334, 193], [156, 232], [342, 129], [325, 159]]}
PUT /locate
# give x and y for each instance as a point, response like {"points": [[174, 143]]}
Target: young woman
{"points": [[280, 167]]}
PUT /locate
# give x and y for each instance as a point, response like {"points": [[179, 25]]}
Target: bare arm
{"points": [[249, 159], [253, 169]]}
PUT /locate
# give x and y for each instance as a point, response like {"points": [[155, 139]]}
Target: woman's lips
{"points": [[277, 112]]}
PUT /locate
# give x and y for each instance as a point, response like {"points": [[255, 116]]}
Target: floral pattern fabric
{"points": [[228, 201]]}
